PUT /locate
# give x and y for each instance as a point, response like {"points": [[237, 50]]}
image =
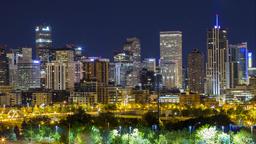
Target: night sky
{"points": [[101, 26]]}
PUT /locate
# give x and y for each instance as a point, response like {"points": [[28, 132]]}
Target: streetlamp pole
{"points": [[158, 100]]}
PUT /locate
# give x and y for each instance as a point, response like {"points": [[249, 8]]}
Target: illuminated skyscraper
{"points": [[238, 64], [171, 58], [43, 46], [132, 47], [61, 72], [28, 71], [4, 67], [217, 60], [43, 42], [196, 73]]}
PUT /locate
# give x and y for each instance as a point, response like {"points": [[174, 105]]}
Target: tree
{"points": [[243, 137], [151, 118]]}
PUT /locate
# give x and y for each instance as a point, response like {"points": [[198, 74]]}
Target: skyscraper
{"points": [[43, 45], [238, 64], [196, 73], [171, 58], [96, 69], [132, 47], [96, 72], [217, 60], [60, 75], [4, 67], [43, 42], [122, 68], [28, 71], [61, 72]]}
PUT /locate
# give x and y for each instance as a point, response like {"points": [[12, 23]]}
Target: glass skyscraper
{"points": [[43, 45], [239, 64], [217, 60]]}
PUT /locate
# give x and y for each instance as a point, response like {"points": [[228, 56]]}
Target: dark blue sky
{"points": [[101, 26]]}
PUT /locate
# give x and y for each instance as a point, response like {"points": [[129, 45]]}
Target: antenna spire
{"points": [[217, 25]]}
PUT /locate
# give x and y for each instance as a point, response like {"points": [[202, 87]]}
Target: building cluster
{"points": [[47, 75]]}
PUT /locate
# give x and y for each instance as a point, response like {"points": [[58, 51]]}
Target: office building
{"points": [[238, 64], [28, 71], [196, 73], [132, 47], [147, 79], [121, 74], [60, 75], [43, 40], [217, 60], [96, 69], [4, 67], [171, 58]]}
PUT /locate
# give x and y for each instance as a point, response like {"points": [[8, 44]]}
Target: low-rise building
{"points": [[41, 98], [10, 99], [88, 98], [191, 99]]}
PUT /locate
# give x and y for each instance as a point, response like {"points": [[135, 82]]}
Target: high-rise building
{"points": [[28, 71], [132, 47], [121, 73], [196, 73], [62, 71], [14, 57], [238, 64], [217, 60], [4, 67], [251, 68], [78, 71], [60, 75], [43, 42], [96, 69], [43, 35], [171, 58], [149, 64], [121, 69], [147, 79]]}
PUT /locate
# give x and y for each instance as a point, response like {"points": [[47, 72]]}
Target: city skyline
{"points": [[95, 33]]}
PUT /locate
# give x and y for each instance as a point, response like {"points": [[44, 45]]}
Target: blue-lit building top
{"points": [[239, 64]]}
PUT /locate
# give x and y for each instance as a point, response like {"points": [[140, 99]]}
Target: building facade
{"points": [[196, 73], [171, 58], [4, 67], [132, 47], [238, 64]]}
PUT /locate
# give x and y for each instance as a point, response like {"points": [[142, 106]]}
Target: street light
{"points": [[3, 139]]}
